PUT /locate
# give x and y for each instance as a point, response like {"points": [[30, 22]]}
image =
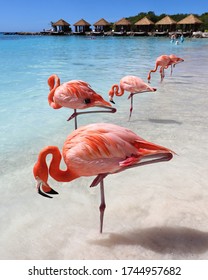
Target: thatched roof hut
{"points": [[102, 25], [122, 25], [61, 26], [144, 25], [190, 22], [82, 26], [166, 24]]}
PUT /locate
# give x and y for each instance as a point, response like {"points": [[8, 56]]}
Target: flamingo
{"points": [[174, 60], [96, 150], [163, 61], [75, 94], [131, 84]]}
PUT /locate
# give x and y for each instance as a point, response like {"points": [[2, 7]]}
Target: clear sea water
{"points": [[175, 116]]}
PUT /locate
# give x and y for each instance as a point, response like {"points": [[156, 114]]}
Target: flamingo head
{"points": [[114, 90], [149, 77], [95, 100], [175, 59], [40, 172], [146, 88]]}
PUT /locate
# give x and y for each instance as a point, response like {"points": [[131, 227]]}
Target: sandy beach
{"points": [[153, 212]]}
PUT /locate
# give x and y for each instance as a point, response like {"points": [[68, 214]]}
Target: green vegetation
{"points": [[153, 17]]}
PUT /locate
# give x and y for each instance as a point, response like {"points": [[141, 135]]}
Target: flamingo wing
{"points": [[98, 148], [77, 94], [134, 84], [105, 148]]}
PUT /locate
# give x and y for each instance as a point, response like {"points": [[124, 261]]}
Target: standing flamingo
{"points": [[75, 94], [131, 84], [174, 60], [96, 149], [163, 61]]}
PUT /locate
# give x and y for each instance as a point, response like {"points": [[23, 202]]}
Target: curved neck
{"points": [[156, 66], [41, 169], [115, 90], [54, 83], [153, 70]]}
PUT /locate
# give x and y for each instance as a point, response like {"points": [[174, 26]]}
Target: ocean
{"points": [[153, 212]]}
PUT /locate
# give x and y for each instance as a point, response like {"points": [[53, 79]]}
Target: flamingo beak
{"points": [[111, 99], [150, 89], [104, 104], [40, 186], [178, 61]]}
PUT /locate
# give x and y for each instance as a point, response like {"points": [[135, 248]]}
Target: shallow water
{"points": [[153, 212]]}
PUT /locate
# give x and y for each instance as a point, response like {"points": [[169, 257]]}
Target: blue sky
{"points": [[25, 15]]}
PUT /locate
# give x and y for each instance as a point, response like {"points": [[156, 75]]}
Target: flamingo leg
{"points": [[131, 106], [75, 114], [102, 204], [171, 70], [75, 118], [100, 180], [162, 73]]}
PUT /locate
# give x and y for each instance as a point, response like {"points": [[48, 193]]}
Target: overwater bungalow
{"points": [[81, 27], [190, 23], [122, 26], [101, 26], [143, 26], [61, 27], [165, 25]]}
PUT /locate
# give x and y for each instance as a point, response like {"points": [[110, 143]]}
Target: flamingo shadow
{"points": [[165, 121], [161, 240]]}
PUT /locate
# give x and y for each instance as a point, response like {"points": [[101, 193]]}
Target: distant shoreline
{"points": [[198, 34]]}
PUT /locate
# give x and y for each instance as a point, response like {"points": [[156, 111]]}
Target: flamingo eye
{"points": [[87, 101]]}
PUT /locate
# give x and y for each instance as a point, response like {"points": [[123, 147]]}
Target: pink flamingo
{"points": [[131, 84], [96, 150], [163, 61], [174, 60], [75, 94]]}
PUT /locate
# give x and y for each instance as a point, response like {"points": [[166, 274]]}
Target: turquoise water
{"points": [[174, 116], [28, 61]]}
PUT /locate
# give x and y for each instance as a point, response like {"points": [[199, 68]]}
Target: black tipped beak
{"points": [[112, 101], [51, 192], [44, 194]]}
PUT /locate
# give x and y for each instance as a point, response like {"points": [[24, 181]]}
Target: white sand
{"points": [[153, 212]]}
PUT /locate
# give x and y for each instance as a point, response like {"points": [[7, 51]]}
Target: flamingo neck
{"points": [[115, 90], [41, 169], [54, 83], [153, 70]]}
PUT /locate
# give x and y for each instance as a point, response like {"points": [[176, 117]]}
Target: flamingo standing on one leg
{"points": [[75, 94], [163, 61], [131, 84], [96, 149]]}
